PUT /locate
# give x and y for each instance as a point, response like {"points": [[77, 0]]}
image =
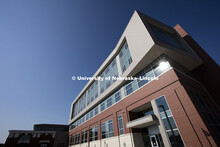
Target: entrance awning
{"points": [[143, 122]]}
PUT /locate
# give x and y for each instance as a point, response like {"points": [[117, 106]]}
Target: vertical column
{"points": [[74, 139], [120, 74], [99, 130], [116, 127], [122, 92], [88, 133], [125, 114], [98, 84], [115, 124], [99, 108], [80, 136], [160, 124], [70, 137], [118, 65], [86, 95]]}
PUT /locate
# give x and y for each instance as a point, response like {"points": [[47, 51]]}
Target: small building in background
{"points": [[43, 135]]}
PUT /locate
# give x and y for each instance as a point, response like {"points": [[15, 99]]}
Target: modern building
{"points": [[43, 135], [160, 89]]}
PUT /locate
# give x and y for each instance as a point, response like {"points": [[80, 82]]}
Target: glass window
{"points": [[128, 89], [107, 129], [129, 60], [77, 139], [96, 110], [140, 81], [120, 122], [155, 69], [169, 123], [146, 75], [165, 36], [84, 137], [72, 126], [131, 87], [79, 105], [103, 106], [87, 116], [92, 92], [72, 140], [109, 102], [162, 104], [93, 133], [125, 57], [109, 72], [161, 68], [91, 114], [115, 97], [75, 109], [108, 84], [211, 116]]}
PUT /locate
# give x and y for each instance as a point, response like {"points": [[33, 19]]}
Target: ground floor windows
{"points": [[121, 127], [156, 140], [71, 140], [93, 134], [107, 129], [146, 138], [77, 139], [150, 139], [169, 123], [84, 137]]}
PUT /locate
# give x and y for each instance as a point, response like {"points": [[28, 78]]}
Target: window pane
{"points": [[178, 138], [93, 135], [102, 106], [129, 91], [169, 122], [125, 57], [121, 128], [165, 36], [109, 102], [173, 124], [166, 124], [110, 71], [96, 110], [107, 129], [121, 132]]}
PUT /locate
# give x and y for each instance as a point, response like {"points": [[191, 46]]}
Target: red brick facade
{"points": [[172, 85]]}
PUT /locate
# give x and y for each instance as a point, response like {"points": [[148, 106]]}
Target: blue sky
{"points": [[43, 43]]}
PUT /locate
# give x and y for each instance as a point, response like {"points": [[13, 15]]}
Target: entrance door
{"points": [[151, 137], [153, 140], [146, 138]]}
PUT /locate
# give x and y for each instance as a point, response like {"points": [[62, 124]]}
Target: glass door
{"points": [[154, 142]]}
